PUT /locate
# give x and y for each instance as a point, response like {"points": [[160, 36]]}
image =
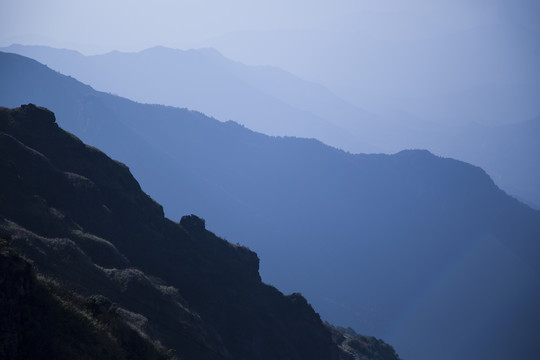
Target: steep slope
{"points": [[396, 246], [84, 221], [510, 151], [41, 320]]}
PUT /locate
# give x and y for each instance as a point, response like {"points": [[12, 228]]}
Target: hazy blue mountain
{"points": [[274, 102], [484, 71], [511, 151], [264, 99], [422, 251]]}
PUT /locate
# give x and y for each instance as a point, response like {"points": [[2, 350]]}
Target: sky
{"points": [[100, 26], [373, 53]]}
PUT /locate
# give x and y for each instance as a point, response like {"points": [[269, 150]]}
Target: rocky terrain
{"points": [[91, 268]]}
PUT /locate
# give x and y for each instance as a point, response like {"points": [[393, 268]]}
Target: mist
{"points": [[443, 61]]}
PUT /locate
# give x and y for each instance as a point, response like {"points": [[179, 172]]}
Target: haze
{"points": [[458, 78], [425, 57]]}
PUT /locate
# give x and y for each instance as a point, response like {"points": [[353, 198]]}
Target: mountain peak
{"points": [[39, 113]]}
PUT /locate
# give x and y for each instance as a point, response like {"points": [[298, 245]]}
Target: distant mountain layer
{"points": [[118, 280], [423, 251], [275, 102], [264, 99]]}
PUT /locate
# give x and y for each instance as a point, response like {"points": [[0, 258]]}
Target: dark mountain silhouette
{"points": [[117, 279], [423, 251], [275, 102]]}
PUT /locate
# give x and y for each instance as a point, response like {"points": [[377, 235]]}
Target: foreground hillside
{"points": [[118, 280], [423, 251]]}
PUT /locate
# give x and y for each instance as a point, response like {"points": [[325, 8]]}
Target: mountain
{"points": [[275, 102], [264, 99], [511, 151], [429, 61], [116, 279], [43, 320], [425, 252]]}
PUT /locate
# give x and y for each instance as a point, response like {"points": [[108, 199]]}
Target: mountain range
{"points": [[423, 251], [275, 102], [92, 269]]}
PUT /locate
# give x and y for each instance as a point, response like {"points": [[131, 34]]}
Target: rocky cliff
{"points": [[108, 262]]}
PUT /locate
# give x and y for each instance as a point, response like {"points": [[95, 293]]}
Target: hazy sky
{"points": [[408, 53], [99, 26]]}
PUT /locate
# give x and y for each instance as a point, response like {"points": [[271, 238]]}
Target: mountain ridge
{"points": [[307, 208], [275, 102], [208, 302], [193, 76]]}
